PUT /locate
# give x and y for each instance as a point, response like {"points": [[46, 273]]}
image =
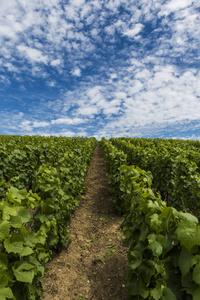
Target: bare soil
{"points": [[94, 265]]}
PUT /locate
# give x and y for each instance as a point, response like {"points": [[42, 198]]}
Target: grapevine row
{"points": [[33, 221], [175, 169], [164, 244]]}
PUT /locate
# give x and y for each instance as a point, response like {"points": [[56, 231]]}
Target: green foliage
{"points": [[164, 244], [114, 159], [175, 166], [41, 182]]}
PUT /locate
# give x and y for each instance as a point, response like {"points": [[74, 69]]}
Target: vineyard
{"points": [[155, 186], [41, 179]]}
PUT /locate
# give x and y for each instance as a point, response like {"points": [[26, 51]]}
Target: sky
{"points": [[100, 68]]}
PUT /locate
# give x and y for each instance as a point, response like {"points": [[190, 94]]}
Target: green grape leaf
{"points": [[168, 294], [156, 243], [186, 261], [144, 293], [196, 274], [136, 259], [188, 217], [156, 222], [23, 213], [3, 261], [5, 293], [14, 244], [23, 216], [42, 236], [143, 232], [3, 280], [196, 294], [15, 195], [4, 230], [16, 221], [43, 256], [157, 292], [188, 234], [26, 251], [24, 272], [8, 210], [31, 238]]}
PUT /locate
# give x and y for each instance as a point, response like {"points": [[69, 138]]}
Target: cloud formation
{"points": [[103, 68]]}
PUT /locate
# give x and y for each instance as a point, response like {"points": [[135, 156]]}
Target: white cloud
{"points": [[77, 3], [4, 80], [110, 29], [137, 87], [94, 32], [94, 92], [26, 126], [68, 121], [51, 83], [67, 133], [113, 75], [33, 55], [55, 62], [134, 31], [11, 68], [120, 95], [113, 5], [76, 72], [40, 124], [87, 110], [7, 32], [112, 107], [173, 6]]}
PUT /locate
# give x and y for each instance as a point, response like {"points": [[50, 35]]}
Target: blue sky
{"points": [[100, 68]]}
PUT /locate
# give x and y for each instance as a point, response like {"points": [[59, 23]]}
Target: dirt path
{"points": [[94, 265]]}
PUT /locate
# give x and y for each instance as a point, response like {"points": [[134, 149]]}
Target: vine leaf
{"points": [[196, 294], [188, 234], [5, 293], [196, 274], [24, 272], [186, 261]]}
